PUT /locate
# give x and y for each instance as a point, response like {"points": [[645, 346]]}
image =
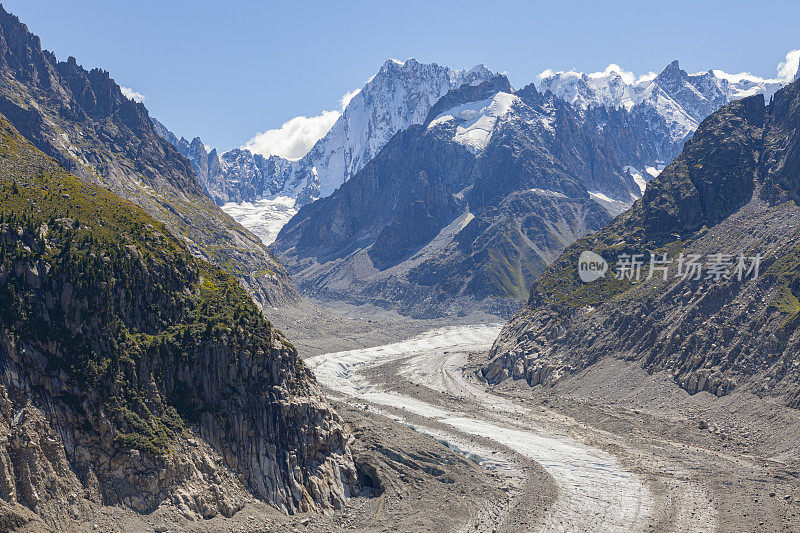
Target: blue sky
{"points": [[225, 71]]}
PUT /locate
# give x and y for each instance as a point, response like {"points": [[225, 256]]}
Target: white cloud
{"points": [[347, 97], [297, 136], [787, 70], [626, 75], [546, 73], [736, 78], [294, 138], [650, 76], [130, 94]]}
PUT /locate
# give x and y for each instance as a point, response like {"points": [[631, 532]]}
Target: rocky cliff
{"points": [[81, 119], [733, 191], [132, 373]]}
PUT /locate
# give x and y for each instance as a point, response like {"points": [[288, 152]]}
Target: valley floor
{"points": [[611, 449]]}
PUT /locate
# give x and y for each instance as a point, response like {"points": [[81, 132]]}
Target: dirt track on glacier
{"points": [[421, 382]]}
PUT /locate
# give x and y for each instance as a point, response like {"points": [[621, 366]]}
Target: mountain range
{"points": [[463, 212], [399, 95], [630, 127], [464, 208], [733, 193]]}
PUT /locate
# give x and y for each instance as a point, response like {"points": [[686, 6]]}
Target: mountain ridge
{"points": [[82, 119], [732, 191], [118, 352], [368, 248], [666, 107], [367, 122]]}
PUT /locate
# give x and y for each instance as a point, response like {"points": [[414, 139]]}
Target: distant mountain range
{"points": [[464, 211], [682, 99], [732, 193], [399, 95], [455, 190], [667, 106]]}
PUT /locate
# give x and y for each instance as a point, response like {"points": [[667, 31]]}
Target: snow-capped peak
{"points": [[611, 87], [399, 95], [683, 100]]}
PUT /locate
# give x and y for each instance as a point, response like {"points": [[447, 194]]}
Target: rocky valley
{"points": [[450, 304]]}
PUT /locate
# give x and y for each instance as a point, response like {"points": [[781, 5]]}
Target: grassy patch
{"points": [[786, 302]]}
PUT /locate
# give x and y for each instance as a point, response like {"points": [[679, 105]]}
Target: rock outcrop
{"points": [[132, 373]]}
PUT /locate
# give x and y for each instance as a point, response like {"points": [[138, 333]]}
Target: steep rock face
{"points": [[462, 212], [82, 120], [398, 96], [726, 194], [132, 373]]}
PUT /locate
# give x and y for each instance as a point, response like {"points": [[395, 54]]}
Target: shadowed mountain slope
{"points": [[733, 191]]}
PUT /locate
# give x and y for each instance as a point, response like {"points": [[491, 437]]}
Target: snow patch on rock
{"points": [[477, 120]]}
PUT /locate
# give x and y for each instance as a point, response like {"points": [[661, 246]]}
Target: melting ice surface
{"points": [[595, 492]]}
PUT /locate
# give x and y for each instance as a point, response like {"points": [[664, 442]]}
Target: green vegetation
{"points": [[561, 287], [786, 273], [509, 272], [108, 296], [786, 302]]}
